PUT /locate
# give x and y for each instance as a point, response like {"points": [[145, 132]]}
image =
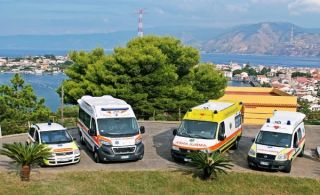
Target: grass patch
{"points": [[154, 182]]}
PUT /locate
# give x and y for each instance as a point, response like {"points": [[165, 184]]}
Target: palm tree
{"points": [[210, 163], [26, 155]]}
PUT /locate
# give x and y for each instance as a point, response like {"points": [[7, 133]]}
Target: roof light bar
{"points": [[113, 109]]}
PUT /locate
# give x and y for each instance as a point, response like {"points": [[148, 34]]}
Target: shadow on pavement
{"points": [[162, 143]]}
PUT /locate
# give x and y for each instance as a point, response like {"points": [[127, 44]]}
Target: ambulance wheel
{"points": [[96, 157], [287, 169], [236, 144], [302, 152], [82, 142]]}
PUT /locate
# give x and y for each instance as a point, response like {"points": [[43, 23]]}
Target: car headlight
{"points": [[102, 142], [252, 152], [76, 152], [282, 157], [175, 148], [52, 155]]}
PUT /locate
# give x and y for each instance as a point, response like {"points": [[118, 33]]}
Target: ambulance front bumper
{"points": [[267, 163], [122, 153], [62, 160]]}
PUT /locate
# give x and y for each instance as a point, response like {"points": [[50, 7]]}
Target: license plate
{"points": [[264, 163], [64, 159], [187, 160], [124, 157]]}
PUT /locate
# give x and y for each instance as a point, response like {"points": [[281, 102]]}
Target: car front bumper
{"points": [[267, 163]]}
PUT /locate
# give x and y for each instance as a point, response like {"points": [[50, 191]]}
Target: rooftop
{"points": [[51, 127]]}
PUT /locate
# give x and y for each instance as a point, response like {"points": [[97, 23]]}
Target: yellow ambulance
{"points": [[212, 126]]}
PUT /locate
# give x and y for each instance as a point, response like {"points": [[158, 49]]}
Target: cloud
{"points": [[298, 7], [243, 8]]}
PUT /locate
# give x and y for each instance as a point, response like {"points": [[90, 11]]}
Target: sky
{"points": [[51, 17]]}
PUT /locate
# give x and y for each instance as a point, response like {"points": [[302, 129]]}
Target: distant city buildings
{"points": [[302, 82], [33, 65]]}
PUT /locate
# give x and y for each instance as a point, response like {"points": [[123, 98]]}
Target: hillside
{"points": [[267, 39], [262, 39]]}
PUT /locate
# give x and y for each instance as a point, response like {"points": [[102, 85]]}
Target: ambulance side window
{"points": [[93, 125], [36, 136], [238, 121], [221, 132], [31, 131], [295, 140], [299, 134]]}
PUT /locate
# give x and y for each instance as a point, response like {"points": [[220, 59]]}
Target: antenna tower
{"points": [[140, 24]]}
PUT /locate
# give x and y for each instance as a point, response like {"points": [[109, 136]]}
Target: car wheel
{"points": [[96, 157], [82, 142], [302, 152], [236, 144], [287, 169]]}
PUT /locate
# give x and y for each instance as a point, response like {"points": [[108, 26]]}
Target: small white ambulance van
{"points": [[280, 140], [55, 136], [109, 129]]}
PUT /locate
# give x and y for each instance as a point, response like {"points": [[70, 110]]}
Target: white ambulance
{"points": [[280, 140], [55, 136], [109, 128], [214, 126]]}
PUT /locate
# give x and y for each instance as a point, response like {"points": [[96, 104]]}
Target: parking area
{"points": [[157, 141]]}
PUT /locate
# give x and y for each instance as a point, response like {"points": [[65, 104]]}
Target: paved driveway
{"points": [[157, 141]]}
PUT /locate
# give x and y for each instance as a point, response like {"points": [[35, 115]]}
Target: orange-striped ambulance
{"points": [[280, 140], [214, 126], [109, 128]]}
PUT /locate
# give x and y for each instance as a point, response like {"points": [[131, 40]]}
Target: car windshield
{"points": [[197, 129], [55, 137], [118, 127], [274, 139]]}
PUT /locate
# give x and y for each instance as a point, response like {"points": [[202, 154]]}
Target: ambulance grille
{"points": [[124, 150], [266, 156], [64, 153]]}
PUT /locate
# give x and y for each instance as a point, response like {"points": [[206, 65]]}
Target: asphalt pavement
{"points": [[157, 140]]}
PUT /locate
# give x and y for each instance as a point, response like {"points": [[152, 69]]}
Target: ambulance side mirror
{"points": [[142, 130], [295, 145], [221, 137], [91, 132], [174, 132]]}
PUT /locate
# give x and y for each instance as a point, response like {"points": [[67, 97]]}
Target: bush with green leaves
{"points": [[25, 156], [210, 164], [18, 105], [153, 74]]}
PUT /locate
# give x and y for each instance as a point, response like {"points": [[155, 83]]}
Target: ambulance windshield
{"points": [[197, 129], [55, 137], [274, 139], [113, 127]]}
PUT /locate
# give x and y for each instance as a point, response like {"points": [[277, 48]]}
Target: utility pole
{"points": [[62, 102]]}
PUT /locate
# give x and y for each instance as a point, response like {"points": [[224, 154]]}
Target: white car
{"points": [[55, 136]]}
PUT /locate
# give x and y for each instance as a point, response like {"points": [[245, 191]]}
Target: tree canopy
{"points": [[18, 105], [151, 73]]}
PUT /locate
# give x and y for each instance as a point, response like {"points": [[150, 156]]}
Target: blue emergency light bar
{"points": [[113, 109]]}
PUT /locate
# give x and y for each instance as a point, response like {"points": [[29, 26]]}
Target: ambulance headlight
{"points": [[52, 155], [175, 148], [282, 157], [105, 143], [76, 152], [252, 152]]}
